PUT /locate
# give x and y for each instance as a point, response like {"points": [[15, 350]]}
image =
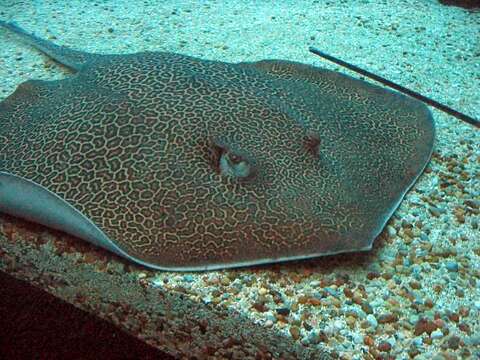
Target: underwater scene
{"points": [[246, 179]]}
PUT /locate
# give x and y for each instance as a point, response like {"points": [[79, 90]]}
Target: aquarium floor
{"points": [[36, 324]]}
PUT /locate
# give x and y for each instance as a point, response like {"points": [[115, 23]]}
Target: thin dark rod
{"points": [[400, 88]]}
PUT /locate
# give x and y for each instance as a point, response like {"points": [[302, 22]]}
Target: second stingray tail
{"points": [[72, 59]]}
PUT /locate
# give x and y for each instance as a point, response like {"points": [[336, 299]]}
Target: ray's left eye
{"points": [[230, 162], [235, 165], [234, 158]]}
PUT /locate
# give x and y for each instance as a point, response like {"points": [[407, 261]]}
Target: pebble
{"points": [[415, 285], [262, 291], [260, 307], [335, 301], [384, 346], [465, 328], [367, 340], [429, 303], [451, 266], [391, 231], [413, 319], [271, 317], [283, 311], [453, 342], [474, 223], [376, 302], [435, 211], [295, 332], [391, 340], [437, 334], [475, 204], [331, 291], [338, 325], [358, 339], [348, 293], [188, 278], [372, 321], [314, 338], [350, 320], [387, 318], [440, 323], [473, 340], [417, 342], [424, 237], [424, 326], [367, 308], [453, 316]]}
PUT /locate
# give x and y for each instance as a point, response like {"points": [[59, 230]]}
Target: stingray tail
{"points": [[391, 84], [72, 59]]}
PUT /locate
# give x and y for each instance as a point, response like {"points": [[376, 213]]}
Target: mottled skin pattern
{"points": [[134, 142]]}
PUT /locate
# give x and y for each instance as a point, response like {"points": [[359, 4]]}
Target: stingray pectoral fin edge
{"points": [[28, 200]]}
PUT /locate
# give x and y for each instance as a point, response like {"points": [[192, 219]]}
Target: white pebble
{"points": [[358, 339], [418, 341], [437, 334], [338, 325], [391, 231], [372, 321], [262, 291]]}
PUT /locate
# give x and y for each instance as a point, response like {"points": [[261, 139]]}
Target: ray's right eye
{"points": [[312, 143]]}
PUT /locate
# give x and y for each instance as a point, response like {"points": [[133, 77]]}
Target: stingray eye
{"points": [[229, 162], [234, 158], [235, 165], [312, 143]]}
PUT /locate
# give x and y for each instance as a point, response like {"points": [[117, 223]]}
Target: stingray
{"points": [[181, 163]]}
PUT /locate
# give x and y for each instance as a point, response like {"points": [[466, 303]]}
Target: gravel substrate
{"points": [[415, 295]]}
